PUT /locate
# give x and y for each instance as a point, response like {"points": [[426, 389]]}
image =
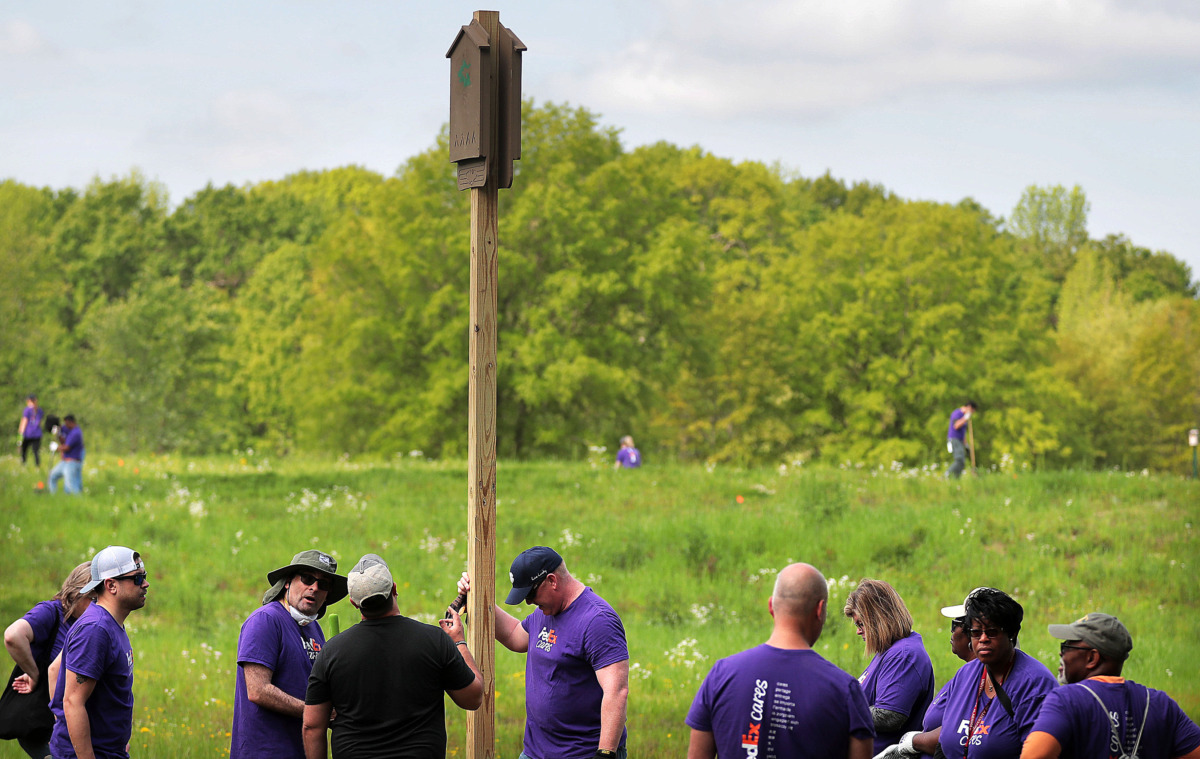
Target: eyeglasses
{"points": [[979, 632], [1065, 648], [322, 583], [534, 587], [139, 579], [858, 624]]}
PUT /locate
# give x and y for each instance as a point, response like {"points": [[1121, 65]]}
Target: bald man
{"points": [[781, 698]]}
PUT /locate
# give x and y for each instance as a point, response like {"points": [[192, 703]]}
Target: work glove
{"points": [[902, 750], [967, 416]]}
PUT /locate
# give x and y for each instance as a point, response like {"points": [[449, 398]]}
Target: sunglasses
{"points": [[139, 579], [323, 583], [534, 587], [978, 632], [1065, 648]]}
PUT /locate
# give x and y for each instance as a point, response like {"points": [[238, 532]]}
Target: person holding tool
{"points": [[960, 419], [386, 676], [577, 668], [276, 648]]}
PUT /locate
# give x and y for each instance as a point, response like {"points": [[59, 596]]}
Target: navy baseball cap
{"points": [[530, 568]]}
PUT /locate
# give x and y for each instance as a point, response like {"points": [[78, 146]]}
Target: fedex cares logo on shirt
{"points": [[751, 737], [312, 648], [964, 729], [546, 639]]}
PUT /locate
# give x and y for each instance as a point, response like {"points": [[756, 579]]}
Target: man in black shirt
{"points": [[385, 677]]}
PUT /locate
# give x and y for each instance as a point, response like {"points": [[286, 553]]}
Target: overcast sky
{"points": [[934, 99]]}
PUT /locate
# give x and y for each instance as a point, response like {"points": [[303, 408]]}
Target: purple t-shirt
{"points": [[72, 447], [97, 647], [1075, 719], [33, 422], [996, 735], [562, 694], [776, 703], [47, 618], [961, 432], [900, 680], [630, 458], [271, 637]]}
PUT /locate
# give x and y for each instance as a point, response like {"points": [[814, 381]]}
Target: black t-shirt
{"points": [[386, 679]]}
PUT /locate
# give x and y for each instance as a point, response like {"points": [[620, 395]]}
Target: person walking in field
{"points": [[386, 677], [276, 648], [577, 668], [628, 457], [93, 698], [782, 698], [29, 429], [1100, 713], [956, 438]]}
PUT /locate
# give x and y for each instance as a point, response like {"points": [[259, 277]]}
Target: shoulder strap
{"points": [[1113, 729]]}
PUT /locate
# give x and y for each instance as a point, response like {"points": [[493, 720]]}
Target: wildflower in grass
{"points": [[686, 653], [570, 539]]}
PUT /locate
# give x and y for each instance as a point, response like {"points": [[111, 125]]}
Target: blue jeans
{"points": [[960, 458], [70, 472]]}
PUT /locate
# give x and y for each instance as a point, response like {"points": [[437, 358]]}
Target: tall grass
{"points": [[687, 564]]}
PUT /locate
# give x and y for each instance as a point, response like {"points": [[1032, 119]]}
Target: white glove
{"points": [[902, 750], [967, 416]]}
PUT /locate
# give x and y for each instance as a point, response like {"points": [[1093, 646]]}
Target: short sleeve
{"points": [[318, 691], [604, 641], [87, 651], [699, 716], [900, 683], [862, 725], [456, 675], [260, 641]]}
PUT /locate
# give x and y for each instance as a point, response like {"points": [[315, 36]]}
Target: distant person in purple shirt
{"points": [[956, 438], [277, 646], [1100, 713], [781, 699], [30, 429], [93, 699], [898, 683], [577, 668], [70, 469], [628, 457], [33, 642]]}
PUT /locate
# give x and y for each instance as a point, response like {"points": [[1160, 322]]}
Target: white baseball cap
{"points": [[370, 577], [113, 561]]}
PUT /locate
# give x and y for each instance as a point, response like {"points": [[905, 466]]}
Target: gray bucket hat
{"points": [[310, 559]]}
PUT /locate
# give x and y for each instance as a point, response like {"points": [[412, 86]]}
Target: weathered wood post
{"points": [[485, 138]]}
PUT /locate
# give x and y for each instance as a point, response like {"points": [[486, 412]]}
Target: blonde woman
{"points": [[898, 683], [34, 641]]}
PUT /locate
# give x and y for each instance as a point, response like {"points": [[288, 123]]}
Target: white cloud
{"points": [[20, 38], [780, 57]]}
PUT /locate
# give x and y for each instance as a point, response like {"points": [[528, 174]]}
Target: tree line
{"points": [[718, 311]]}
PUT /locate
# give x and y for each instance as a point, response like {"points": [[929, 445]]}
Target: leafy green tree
{"points": [[1051, 222]]}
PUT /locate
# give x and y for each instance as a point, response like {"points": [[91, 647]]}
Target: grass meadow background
{"points": [[687, 566]]}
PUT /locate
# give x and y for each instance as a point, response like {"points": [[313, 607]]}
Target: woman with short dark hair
{"points": [[992, 702], [898, 683]]}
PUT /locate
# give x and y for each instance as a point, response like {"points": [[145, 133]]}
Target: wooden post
{"points": [[971, 438], [481, 433]]}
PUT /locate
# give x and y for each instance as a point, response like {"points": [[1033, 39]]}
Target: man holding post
{"points": [[93, 698], [956, 436], [386, 677], [1100, 713], [577, 668], [782, 698], [276, 649]]}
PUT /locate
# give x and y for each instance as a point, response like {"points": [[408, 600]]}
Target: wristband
{"points": [[461, 643]]}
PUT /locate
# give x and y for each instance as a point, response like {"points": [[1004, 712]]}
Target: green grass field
{"points": [[687, 566]]}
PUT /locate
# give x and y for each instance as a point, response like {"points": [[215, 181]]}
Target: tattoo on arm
{"points": [[81, 679]]}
